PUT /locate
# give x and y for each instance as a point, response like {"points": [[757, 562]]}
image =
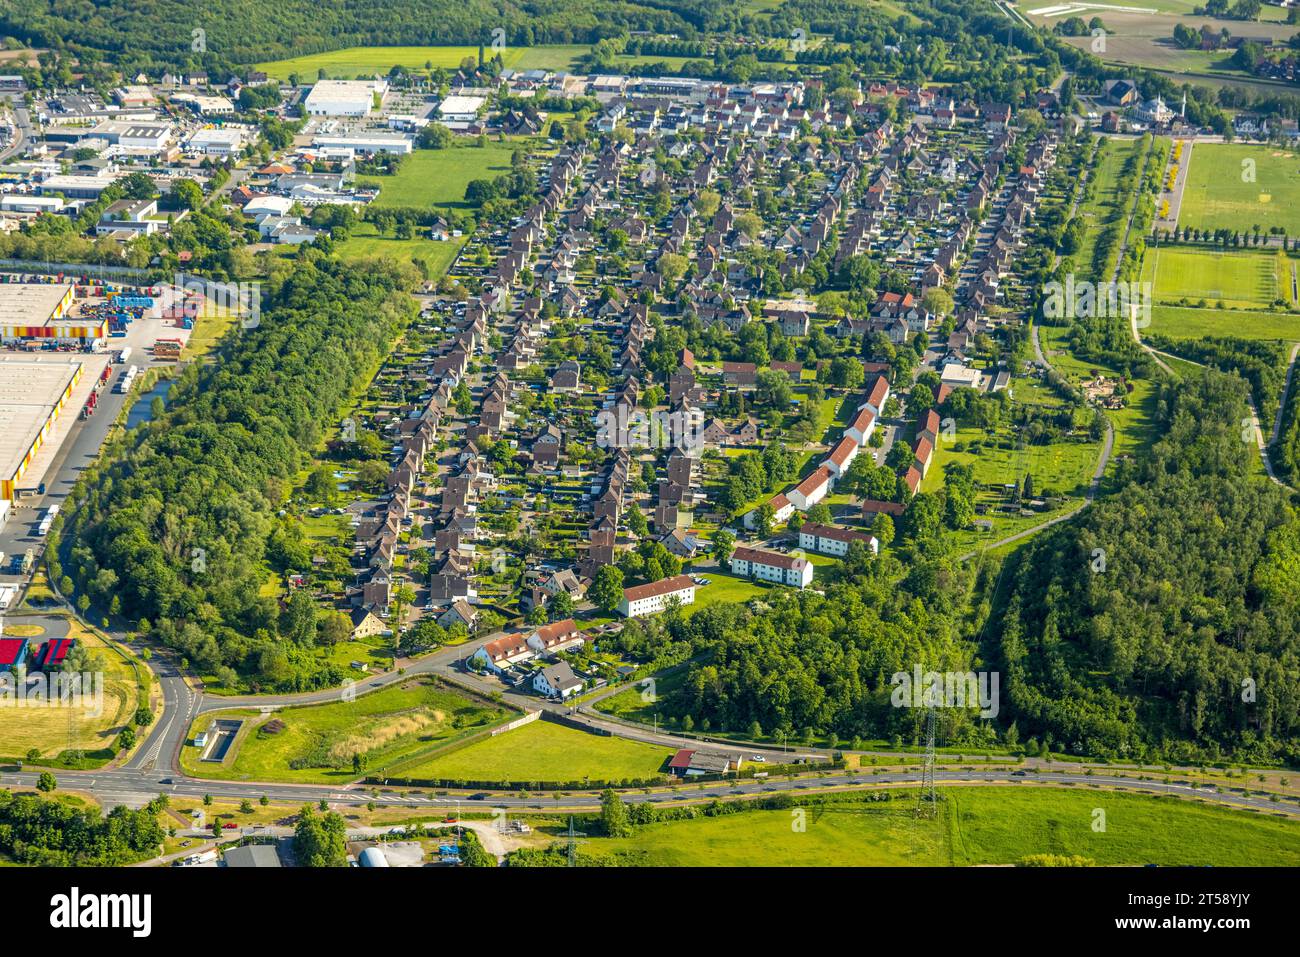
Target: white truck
{"points": [[48, 520], [5, 506], [193, 860]]}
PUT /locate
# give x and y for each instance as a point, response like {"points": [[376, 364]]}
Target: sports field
{"points": [[1240, 279], [542, 751], [366, 61], [1231, 186], [976, 826]]}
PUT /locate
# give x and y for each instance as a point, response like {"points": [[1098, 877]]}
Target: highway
{"points": [[134, 788]]}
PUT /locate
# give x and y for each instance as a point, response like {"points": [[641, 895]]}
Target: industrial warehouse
{"points": [[34, 390], [44, 312]]}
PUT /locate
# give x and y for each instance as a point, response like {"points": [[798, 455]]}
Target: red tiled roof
{"points": [[835, 532], [557, 630], [862, 421], [879, 389], [665, 586], [506, 646], [844, 450], [763, 557], [817, 478], [682, 759]]}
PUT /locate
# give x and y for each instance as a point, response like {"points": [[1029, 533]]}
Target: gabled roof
{"points": [[665, 586]]}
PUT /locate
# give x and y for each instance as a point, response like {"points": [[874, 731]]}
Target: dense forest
{"points": [[803, 664], [182, 529], [46, 832], [245, 31], [1165, 621]]}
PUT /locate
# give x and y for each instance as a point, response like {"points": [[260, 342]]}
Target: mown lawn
{"points": [[386, 726], [724, 589], [438, 177], [976, 826], [365, 62], [542, 751], [1237, 186], [436, 257], [1187, 323], [1240, 279], [639, 702], [1063, 467]]}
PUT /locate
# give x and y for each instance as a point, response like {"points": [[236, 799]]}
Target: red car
{"points": [[230, 825]]}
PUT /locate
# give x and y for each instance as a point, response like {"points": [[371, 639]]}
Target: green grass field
{"points": [[395, 724], [367, 61], [1241, 279], [976, 826], [1224, 190], [88, 726], [1182, 323], [438, 177], [437, 257], [542, 751], [1063, 467], [1108, 204], [724, 589], [631, 704]]}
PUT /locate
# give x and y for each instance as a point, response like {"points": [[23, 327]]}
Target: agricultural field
{"points": [[1225, 191], [429, 178], [976, 826], [1240, 279], [397, 723], [356, 62], [542, 751], [90, 727]]}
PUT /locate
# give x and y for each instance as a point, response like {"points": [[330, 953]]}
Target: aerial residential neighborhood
{"points": [[630, 436]]}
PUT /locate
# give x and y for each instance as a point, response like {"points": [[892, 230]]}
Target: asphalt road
{"points": [[23, 125], [134, 788]]}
